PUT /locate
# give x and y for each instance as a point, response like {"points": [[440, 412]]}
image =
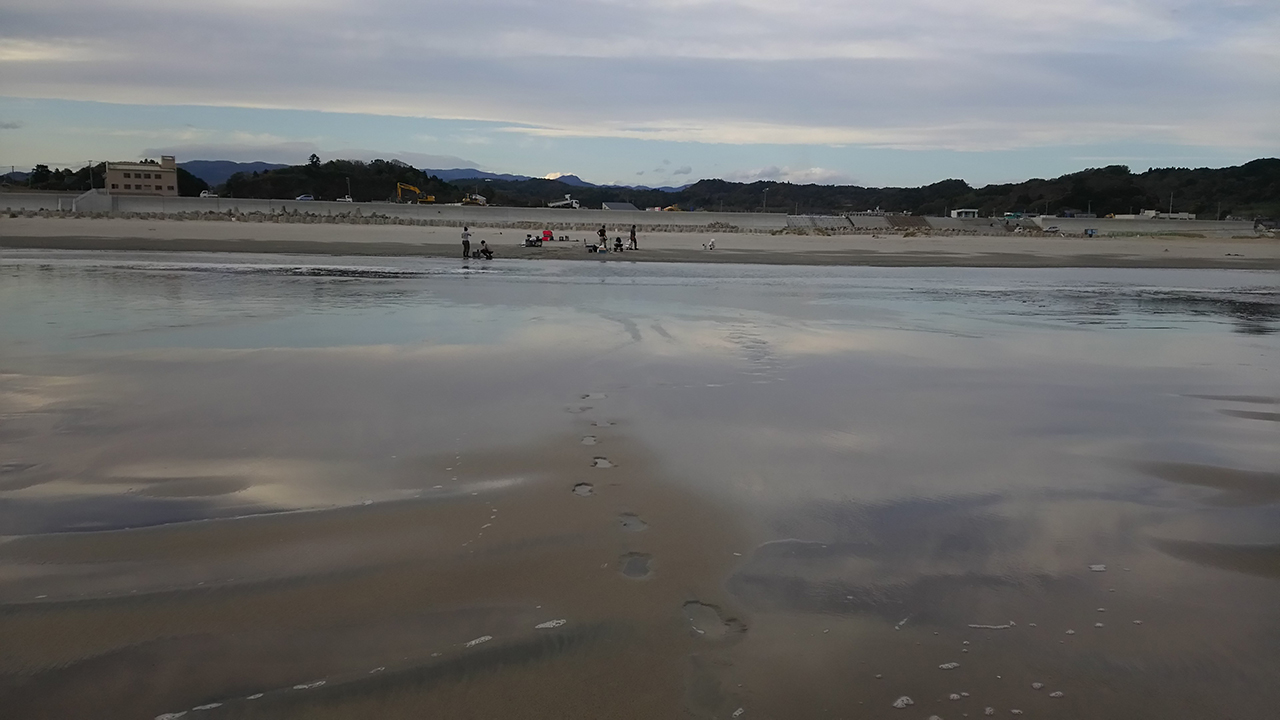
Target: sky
{"points": [[649, 92]]}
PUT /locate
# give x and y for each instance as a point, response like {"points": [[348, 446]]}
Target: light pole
{"points": [[764, 207], [349, 189]]}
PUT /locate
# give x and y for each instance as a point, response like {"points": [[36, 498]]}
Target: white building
{"points": [[964, 213]]}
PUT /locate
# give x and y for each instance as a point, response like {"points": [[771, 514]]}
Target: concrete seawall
{"points": [[616, 221]]}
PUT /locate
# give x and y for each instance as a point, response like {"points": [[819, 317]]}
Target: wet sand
{"points": [[571, 490], [867, 250]]}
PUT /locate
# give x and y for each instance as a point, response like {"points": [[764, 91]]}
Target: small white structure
{"points": [[964, 213]]}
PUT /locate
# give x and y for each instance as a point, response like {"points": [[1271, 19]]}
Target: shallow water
{"points": [[231, 476]]}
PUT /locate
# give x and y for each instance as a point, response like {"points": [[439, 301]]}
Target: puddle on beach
{"points": [[229, 491]]}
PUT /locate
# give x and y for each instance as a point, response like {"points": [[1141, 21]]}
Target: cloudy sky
{"points": [[649, 91]]}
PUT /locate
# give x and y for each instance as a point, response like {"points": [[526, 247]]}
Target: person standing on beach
{"points": [[466, 242], [604, 236], [634, 246]]}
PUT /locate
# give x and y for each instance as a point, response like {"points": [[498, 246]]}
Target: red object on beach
{"points": [[548, 235]]}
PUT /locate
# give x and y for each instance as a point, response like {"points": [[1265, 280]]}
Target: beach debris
{"points": [[549, 624], [1055, 694], [255, 696], [1071, 632], [903, 702], [953, 696], [989, 711], [1097, 568], [949, 666], [378, 669], [1031, 624], [934, 717], [171, 716], [1037, 685], [1102, 609], [738, 712], [901, 622], [309, 686], [1137, 622], [879, 677], [1006, 626], [477, 641], [1097, 625], [1016, 712], [964, 694], [208, 706], [601, 462], [966, 642], [583, 489]]}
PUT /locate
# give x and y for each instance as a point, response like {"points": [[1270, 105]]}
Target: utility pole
{"points": [[349, 187], [764, 207], [1171, 203]]}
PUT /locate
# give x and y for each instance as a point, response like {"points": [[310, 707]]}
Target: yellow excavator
{"points": [[418, 196]]}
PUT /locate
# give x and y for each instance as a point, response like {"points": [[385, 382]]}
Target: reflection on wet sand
{"points": [[235, 607], [1237, 487], [617, 492]]}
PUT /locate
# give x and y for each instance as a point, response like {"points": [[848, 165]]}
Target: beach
{"points": [[321, 486], [889, 249]]}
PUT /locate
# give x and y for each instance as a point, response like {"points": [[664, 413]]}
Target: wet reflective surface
{"points": [[232, 486]]}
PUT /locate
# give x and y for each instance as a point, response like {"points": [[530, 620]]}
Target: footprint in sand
{"points": [[635, 565], [632, 522], [602, 423], [601, 462], [589, 440], [707, 621], [584, 489], [577, 409], [593, 396]]}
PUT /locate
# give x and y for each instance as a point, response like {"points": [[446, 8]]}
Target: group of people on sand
{"points": [[468, 253], [603, 244]]}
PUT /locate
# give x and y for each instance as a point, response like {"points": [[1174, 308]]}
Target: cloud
{"points": [[296, 152], [682, 170], [10, 125], [798, 176], [917, 74]]}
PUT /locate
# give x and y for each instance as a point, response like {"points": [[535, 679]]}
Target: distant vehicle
{"points": [[1053, 228], [421, 197], [471, 199], [344, 198], [304, 197], [567, 202], [207, 194]]}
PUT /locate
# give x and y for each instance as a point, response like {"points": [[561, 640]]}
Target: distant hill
{"points": [[216, 172], [454, 174], [1249, 190]]}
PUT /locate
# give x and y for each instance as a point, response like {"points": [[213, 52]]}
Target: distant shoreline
{"points": [[1008, 251]]}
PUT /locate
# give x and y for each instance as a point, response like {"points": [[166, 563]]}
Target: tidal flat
{"points": [[264, 486]]}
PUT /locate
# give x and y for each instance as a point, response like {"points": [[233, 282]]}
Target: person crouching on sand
{"points": [[485, 251]]}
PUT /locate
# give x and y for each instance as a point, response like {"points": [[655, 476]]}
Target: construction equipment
{"points": [[419, 196], [567, 202], [472, 199]]}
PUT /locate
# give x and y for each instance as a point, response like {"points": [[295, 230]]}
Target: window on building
{"points": [[127, 186], [170, 187], [146, 176], [114, 186], [126, 175]]}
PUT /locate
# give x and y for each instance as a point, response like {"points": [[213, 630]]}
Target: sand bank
{"points": [[878, 250]]}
